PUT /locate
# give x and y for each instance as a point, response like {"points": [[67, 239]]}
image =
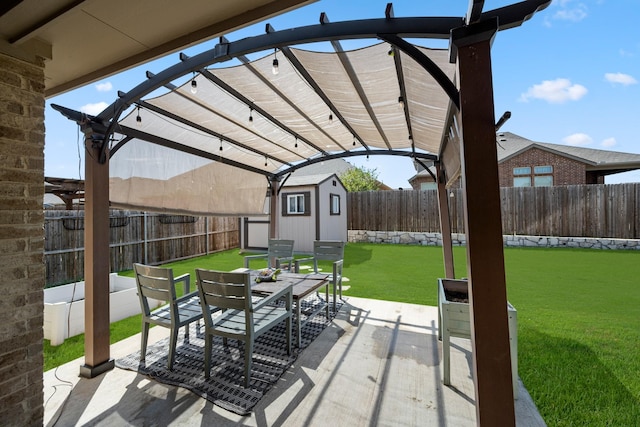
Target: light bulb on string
{"points": [[251, 115], [265, 160], [275, 69], [138, 118], [296, 144], [330, 118], [354, 140], [194, 85], [220, 144]]}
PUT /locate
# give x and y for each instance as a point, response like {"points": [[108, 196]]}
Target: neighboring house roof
{"points": [[510, 145]]}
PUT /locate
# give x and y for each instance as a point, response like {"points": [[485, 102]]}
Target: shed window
{"points": [[334, 204], [296, 203]]}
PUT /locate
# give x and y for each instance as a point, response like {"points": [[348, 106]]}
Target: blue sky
{"points": [[571, 75]]}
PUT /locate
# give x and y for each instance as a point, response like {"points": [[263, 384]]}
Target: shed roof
{"points": [[298, 181]]}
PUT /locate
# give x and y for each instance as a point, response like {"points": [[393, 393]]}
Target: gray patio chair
{"points": [[327, 250], [279, 252], [159, 283], [242, 317]]}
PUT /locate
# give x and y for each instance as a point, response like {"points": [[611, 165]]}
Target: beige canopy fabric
{"points": [[268, 123]]}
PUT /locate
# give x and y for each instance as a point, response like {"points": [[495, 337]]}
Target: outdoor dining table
{"points": [[303, 286]]}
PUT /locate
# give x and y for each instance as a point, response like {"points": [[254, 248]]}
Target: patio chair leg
{"points": [[207, 355], [145, 338], [248, 351], [172, 347]]}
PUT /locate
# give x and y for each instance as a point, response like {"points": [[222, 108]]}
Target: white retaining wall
{"points": [[64, 307], [435, 239]]}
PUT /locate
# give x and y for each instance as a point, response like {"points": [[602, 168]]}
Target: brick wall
{"points": [[565, 171], [21, 241]]}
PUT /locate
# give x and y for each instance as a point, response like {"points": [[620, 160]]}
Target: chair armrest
{"points": [[250, 257], [186, 278], [286, 292], [187, 297], [337, 271], [300, 261]]}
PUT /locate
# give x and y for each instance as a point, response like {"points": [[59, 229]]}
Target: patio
{"points": [[375, 364]]}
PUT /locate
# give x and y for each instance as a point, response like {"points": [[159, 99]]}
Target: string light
{"points": [[391, 51], [330, 118], [296, 144], [275, 69], [265, 160], [354, 140], [251, 114], [220, 144], [138, 118], [194, 84]]}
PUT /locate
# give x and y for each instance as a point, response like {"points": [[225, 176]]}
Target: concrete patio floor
{"points": [[377, 364]]}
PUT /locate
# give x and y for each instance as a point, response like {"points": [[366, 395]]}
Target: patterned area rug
{"points": [[225, 387]]}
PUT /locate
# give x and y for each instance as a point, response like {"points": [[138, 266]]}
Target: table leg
{"points": [[327, 301], [298, 327]]}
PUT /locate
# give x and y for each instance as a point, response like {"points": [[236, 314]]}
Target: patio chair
{"points": [[159, 283], [279, 252], [243, 317], [327, 250]]}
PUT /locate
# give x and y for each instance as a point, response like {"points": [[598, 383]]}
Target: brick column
{"points": [[21, 241]]}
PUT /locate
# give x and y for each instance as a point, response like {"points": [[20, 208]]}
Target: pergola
{"points": [[228, 138]]}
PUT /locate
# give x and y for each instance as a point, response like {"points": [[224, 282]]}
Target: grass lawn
{"points": [[578, 319]]}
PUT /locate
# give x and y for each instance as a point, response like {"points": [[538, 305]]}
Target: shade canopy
{"points": [[215, 142]]}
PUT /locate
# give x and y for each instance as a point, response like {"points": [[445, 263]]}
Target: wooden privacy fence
{"points": [[611, 211], [148, 238]]}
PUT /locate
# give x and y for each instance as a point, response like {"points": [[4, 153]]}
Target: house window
{"points": [[334, 208], [428, 185], [543, 170], [543, 181], [542, 176], [296, 203], [522, 181]]}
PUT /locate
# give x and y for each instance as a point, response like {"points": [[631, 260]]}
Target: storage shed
{"points": [[312, 207]]}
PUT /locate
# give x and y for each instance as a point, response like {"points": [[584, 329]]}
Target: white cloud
{"points": [[570, 10], [94, 109], [609, 142], [623, 79], [626, 53], [104, 87], [555, 91], [577, 139]]}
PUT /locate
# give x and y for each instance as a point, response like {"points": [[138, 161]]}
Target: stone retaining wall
{"points": [[435, 239]]}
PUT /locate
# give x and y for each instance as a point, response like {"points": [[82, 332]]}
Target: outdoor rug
{"points": [[225, 387]]}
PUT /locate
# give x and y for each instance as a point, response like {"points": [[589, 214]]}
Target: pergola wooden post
{"points": [[445, 224], [273, 208], [482, 214], [96, 261]]}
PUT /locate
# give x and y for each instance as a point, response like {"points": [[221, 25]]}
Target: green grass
{"points": [[578, 319]]}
